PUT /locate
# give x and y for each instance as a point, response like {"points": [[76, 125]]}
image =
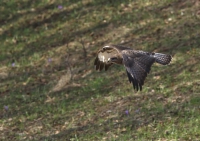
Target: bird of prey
{"points": [[137, 63]]}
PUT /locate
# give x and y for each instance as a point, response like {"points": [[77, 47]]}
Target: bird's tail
{"points": [[163, 59]]}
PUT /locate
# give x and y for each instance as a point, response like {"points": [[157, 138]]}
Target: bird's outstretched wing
{"points": [[138, 65], [105, 56]]}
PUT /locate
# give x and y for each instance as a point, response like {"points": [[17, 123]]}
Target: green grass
{"points": [[53, 92]]}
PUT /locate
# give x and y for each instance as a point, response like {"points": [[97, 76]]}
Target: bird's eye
{"points": [[113, 59]]}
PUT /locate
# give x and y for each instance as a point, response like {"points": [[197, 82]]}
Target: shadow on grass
{"points": [[30, 97], [94, 129], [36, 26]]}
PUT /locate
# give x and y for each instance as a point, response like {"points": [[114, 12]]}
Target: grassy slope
{"points": [[50, 93]]}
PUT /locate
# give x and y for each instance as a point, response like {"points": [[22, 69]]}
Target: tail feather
{"points": [[163, 59]]}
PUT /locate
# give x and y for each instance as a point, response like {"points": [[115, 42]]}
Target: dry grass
{"points": [[50, 91]]}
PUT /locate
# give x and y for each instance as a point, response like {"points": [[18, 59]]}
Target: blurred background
{"points": [[49, 89]]}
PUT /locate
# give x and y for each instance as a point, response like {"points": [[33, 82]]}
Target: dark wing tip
{"points": [[107, 66], [101, 66], [95, 61], [136, 85], [97, 64]]}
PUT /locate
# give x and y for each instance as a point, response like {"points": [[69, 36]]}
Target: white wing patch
{"points": [[104, 56]]}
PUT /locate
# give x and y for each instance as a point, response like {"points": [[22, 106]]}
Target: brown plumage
{"points": [[137, 63]]}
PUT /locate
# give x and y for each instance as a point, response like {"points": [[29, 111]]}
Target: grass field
{"points": [[50, 91]]}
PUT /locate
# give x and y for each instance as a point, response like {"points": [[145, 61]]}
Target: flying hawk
{"points": [[137, 63]]}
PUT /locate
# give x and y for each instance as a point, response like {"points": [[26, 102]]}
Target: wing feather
{"points": [[101, 66], [132, 80], [103, 56], [138, 65], [107, 66], [97, 64]]}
